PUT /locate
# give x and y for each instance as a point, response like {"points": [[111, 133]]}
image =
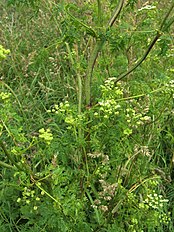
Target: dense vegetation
{"points": [[86, 116]]}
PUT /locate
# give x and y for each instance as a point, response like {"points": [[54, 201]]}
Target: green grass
{"points": [[68, 166]]}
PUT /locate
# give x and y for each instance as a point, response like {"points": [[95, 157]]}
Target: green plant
{"points": [[83, 141]]}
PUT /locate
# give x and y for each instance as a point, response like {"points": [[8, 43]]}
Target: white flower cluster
{"points": [[104, 158], [110, 90], [136, 119], [169, 87], [154, 201], [108, 190], [105, 195], [143, 150], [108, 107]]}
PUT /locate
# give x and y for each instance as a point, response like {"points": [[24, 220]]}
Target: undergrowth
{"points": [[86, 141]]}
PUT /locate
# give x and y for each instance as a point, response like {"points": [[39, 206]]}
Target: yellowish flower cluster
{"points": [[46, 135], [4, 96], [28, 197], [3, 52]]}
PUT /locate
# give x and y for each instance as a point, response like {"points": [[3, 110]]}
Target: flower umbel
{"points": [[46, 135]]}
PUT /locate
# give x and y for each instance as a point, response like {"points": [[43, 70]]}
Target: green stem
{"points": [[116, 14], [171, 21], [79, 101], [97, 48], [141, 60], [95, 209], [99, 12], [90, 30], [141, 95], [79, 80], [164, 26], [91, 63], [38, 184], [89, 72], [5, 165], [9, 156], [25, 168]]}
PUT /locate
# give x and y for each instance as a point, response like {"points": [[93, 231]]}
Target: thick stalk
{"points": [[79, 103], [89, 72], [79, 82], [99, 13], [116, 14], [97, 48], [5, 165], [92, 60]]}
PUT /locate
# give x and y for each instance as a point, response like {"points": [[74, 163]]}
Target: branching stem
{"points": [[141, 60], [9, 156], [164, 26], [97, 48]]}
